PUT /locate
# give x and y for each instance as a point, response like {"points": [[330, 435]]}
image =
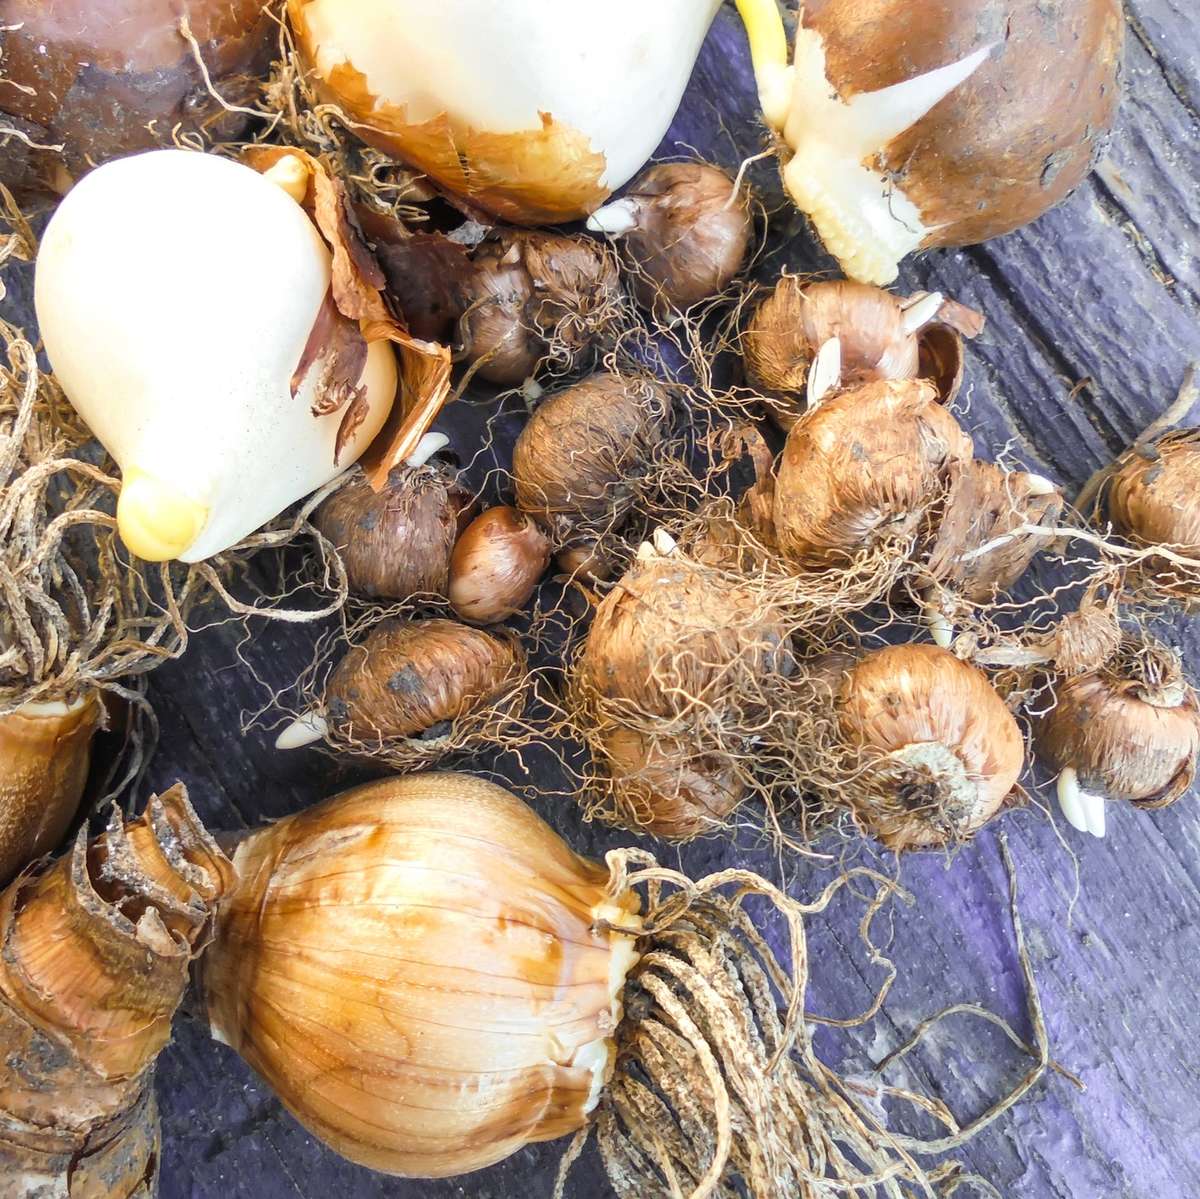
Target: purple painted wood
{"points": [[1106, 288]]}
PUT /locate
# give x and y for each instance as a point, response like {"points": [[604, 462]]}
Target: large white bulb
{"points": [[176, 294], [533, 109]]}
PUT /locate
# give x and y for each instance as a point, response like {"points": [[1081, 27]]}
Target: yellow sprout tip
{"points": [[156, 521], [291, 174]]}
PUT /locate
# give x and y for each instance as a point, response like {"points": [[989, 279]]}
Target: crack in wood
{"points": [[1175, 83]]}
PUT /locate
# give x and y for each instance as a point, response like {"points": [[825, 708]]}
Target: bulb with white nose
{"points": [[185, 305]]}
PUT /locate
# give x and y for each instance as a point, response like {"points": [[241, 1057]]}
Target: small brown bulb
{"points": [[940, 749], [674, 637], [878, 335], [985, 503], [1153, 498], [684, 229], [588, 561], [533, 296], [496, 565], [396, 543], [1130, 730], [579, 461], [863, 468], [408, 679], [105, 78], [663, 788]]}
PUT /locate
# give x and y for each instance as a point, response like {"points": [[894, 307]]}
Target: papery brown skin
{"points": [[530, 294], [496, 565], [410, 678], [44, 764], [986, 502], [1125, 738], [691, 237], [95, 951], [864, 466], [577, 462], [908, 697], [412, 967], [110, 78], [1153, 498], [674, 638], [396, 543], [664, 789], [1018, 136]]}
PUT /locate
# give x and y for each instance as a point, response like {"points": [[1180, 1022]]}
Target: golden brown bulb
{"points": [[940, 750], [1127, 731], [410, 678], [96, 950], [1153, 498], [496, 565], [396, 543], [45, 752], [864, 468], [532, 296], [421, 970], [684, 232], [578, 462], [105, 78]]}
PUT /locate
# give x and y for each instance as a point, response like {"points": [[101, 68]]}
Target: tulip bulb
{"points": [[904, 129], [529, 110], [496, 566], [45, 751], [184, 304]]}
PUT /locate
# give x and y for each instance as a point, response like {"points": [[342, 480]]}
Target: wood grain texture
{"points": [[1107, 289]]}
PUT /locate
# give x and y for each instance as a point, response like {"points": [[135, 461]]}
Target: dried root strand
{"points": [[718, 1090], [95, 959]]}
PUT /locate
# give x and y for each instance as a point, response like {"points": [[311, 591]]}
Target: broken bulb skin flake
{"points": [[900, 135]]}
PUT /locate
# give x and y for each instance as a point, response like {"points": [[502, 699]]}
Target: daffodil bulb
{"points": [[184, 304], [533, 109]]}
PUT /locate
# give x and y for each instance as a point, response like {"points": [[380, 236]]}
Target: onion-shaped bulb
{"points": [[424, 972], [940, 750], [533, 110], [184, 304], [905, 128]]}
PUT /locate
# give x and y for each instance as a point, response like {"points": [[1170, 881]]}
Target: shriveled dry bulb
{"points": [[578, 463], [87, 81], [535, 296], [184, 301], [409, 681], [864, 468], [805, 340], [496, 566], [684, 230], [97, 951], [939, 751], [431, 980], [515, 108], [905, 128], [1128, 731], [1153, 498], [45, 751], [396, 543]]}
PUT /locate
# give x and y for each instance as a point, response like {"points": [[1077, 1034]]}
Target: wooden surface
{"points": [[1106, 289]]}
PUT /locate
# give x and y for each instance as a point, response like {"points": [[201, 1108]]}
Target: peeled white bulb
{"points": [[176, 294], [534, 109]]}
